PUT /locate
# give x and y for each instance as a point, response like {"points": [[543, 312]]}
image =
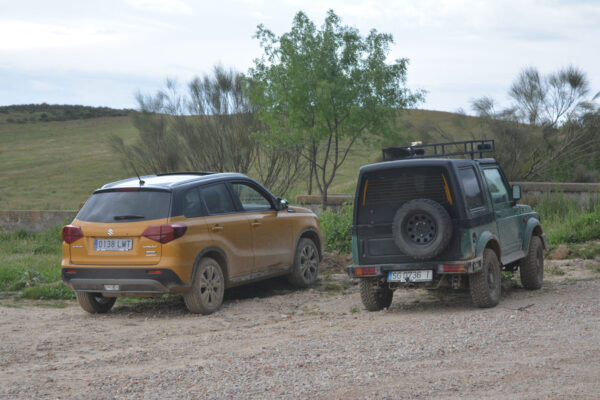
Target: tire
{"points": [[375, 297], [531, 268], [95, 303], [306, 264], [485, 285], [208, 288], [422, 228]]}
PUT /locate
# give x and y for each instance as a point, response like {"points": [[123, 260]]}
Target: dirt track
{"points": [[312, 344]]}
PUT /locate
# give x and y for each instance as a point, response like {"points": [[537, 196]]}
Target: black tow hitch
{"points": [[408, 284]]}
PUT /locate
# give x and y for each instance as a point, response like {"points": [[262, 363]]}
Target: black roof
{"points": [[424, 162], [171, 180]]}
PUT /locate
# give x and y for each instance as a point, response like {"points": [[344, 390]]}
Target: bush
{"points": [[336, 229], [580, 229], [51, 291]]}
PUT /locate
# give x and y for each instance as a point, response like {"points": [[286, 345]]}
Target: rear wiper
{"points": [[120, 217]]}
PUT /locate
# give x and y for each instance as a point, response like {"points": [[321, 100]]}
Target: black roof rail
{"points": [[447, 149], [186, 173]]}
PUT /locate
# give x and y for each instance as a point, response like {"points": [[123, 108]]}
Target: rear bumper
{"points": [[123, 281], [439, 268]]}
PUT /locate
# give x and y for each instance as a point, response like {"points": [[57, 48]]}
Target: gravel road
{"points": [[269, 341]]}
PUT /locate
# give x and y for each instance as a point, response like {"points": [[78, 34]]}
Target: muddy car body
{"points": [[428, 222], [194, 234]]}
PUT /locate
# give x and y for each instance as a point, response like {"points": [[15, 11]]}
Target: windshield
{"points": [[126, 206]]}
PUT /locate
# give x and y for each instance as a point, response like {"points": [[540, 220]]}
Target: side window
{"points": [[496, 185], [192, 207], [217, 199], [471, 188], [251, 199]]}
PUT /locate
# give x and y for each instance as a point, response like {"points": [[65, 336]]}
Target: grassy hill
{"points": [[57, 164]]}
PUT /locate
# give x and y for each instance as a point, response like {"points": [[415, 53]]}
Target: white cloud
{"points": [[163, 6], [28, 36]]}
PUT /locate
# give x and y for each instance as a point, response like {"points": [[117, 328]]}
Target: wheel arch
{"points": [[488, 240], [312, 234], [532, 228], [219, 256]]}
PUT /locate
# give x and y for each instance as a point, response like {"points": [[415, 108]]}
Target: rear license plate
{"points": [[412, 276], [113, 244]]}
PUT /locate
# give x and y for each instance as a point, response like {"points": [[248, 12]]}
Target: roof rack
{"points": [[447, 149], [185, 173]]}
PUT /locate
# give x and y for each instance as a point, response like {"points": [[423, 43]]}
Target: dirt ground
{"points": [[270, 341]]}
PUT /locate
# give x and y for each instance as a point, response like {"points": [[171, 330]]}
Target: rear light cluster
{"points": [[365, 271], [71, 233], [454, 268], [164, 233]]}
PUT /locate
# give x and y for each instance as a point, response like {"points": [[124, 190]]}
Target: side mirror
{"points": [[283, 204], [516, 192]]}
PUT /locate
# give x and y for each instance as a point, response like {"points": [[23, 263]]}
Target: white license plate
{"points": [[113, 244], [412, 276]]}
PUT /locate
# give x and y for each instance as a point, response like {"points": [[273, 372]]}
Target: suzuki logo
{"points": [[110, 232]]}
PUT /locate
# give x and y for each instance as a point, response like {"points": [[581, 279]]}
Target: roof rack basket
{"points": [[448, 149]]}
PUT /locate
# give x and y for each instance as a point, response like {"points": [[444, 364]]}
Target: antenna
{"points": [[136, 174]]}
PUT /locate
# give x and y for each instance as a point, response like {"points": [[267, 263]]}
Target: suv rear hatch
{"points": [[113, 223]]}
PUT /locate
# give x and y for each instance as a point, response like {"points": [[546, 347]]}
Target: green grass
{"points": [[56, 165], [565, 221], [30, 261], [555, 270]]}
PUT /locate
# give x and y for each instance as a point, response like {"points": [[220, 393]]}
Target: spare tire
{"points": [[422, 228]]}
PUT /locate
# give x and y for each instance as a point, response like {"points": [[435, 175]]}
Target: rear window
{"points": [[383, 192], [471, 188], [126, 206]]}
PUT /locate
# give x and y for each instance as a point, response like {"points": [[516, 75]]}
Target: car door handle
{"points": [[255, 224], [216, 228]]}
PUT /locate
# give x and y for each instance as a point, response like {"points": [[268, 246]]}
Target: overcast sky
{"points": [[101, 53]]}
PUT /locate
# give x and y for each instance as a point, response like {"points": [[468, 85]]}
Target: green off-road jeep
{"points": [[425, 220]]}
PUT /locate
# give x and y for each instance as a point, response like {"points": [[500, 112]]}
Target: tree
{"points": [[209, 128], [551, 125], [325, 89]]}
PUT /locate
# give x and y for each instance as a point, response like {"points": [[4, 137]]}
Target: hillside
{"points": [[57, 164]]}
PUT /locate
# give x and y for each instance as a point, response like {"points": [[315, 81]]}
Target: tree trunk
{"points": [[310, 178]]}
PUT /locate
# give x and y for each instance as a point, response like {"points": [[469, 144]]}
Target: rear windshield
{"points": [[126, 206], [383, 192]]}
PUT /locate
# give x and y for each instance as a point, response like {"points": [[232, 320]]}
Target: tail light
{"points": [[454, 268], [71, 233], [365, 271], [164, 233]]}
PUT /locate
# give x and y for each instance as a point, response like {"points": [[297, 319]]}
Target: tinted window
{"points": [[383, 192], [471, 187], [192, 207], [251, 199], [496, 185], [217, 199], [126, 206]]}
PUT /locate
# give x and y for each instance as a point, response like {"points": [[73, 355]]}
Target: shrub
{"points": [[51, 291], [336, 229]]}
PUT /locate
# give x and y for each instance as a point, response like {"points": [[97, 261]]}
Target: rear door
{"points": [[229, 229], [113, 222]]}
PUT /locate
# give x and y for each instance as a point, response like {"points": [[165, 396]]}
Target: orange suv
{"points": [[190, 233]]}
